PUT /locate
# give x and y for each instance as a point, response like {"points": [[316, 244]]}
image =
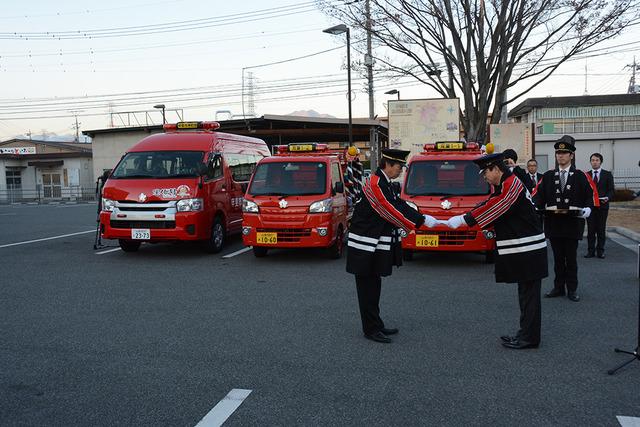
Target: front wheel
{"points": [[217, 237], [129, 245], [337, 248], [260, 251], [490, 257]]}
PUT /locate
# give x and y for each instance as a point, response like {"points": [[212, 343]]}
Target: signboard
{"points": [[518, 136], [17, 150], [415, 122]]}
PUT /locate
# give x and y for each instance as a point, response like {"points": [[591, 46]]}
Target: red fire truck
{"points": [[184, 184], [296, 199], [443, 181]]}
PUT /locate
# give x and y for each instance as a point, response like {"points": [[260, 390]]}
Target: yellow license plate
{"points": [[426, 241], [267, 238]]}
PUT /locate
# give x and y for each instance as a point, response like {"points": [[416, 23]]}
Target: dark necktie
{"points": [[595, 176]]}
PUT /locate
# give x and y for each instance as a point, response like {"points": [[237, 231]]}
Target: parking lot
{"points": [[161, 336]]}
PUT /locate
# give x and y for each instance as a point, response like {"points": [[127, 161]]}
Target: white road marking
{"points": [[107, 251], [46, 238], [241, 251], [628, 421], [223, 410]]}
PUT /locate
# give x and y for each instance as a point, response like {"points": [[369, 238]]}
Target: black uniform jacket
{"points": [[374, 240], [578, 193], [520, 241], [526, 179], [604, 186]]}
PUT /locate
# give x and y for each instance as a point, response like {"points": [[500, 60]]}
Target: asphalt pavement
{"points": [[161, 336]]}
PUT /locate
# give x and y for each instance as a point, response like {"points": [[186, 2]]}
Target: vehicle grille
{"points": [[452, 238], [291, 235], [143, 224]]}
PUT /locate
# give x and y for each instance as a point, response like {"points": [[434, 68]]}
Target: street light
{"points": [[162, 107], [393, 92], [335, 30]]}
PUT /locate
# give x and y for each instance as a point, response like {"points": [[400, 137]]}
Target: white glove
{"points": [[430, 221], [456, 221], [585, 213]]}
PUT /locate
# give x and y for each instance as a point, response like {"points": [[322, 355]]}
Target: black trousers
{"points": [[530, 311], [565, 264], [596, 227], [369, 301]]}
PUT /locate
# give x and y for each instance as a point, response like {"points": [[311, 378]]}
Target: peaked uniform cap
{"points": [[489, 160], [395, 155], [566, 143]]}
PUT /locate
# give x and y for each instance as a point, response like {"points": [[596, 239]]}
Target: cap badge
{"points": [[561, 146]]}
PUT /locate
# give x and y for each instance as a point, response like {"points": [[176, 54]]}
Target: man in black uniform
{"points": [[374, 239], [597, 221], [566, 196], [520, 241]]}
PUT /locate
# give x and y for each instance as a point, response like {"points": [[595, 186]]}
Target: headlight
{"points": [[249, 206], [322, 206], [108, 205], [189, 205], [413, 205]]}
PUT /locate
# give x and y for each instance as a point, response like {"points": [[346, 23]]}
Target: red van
{"points": [[184, 184], [296, 199], [443, 181]]}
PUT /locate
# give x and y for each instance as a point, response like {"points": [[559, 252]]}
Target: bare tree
{"points": [[477, 50]]}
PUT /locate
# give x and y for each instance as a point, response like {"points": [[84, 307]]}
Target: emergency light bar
{"points": [[191, 126], [298, 148], [451, 145]]}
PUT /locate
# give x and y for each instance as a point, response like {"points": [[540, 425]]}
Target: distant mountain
{"points": [[311, 113]]}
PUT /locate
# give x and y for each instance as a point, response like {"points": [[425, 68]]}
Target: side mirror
{"points": [[339, 188], [202, 169]]}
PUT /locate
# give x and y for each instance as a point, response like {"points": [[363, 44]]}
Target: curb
{"points": [[630, 234]]}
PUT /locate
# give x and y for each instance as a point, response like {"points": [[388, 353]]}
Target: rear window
{"points": [[289, 179], [445, 177], [159, 164]]}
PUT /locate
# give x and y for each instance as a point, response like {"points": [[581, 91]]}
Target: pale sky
{"points": [[191, 56]]}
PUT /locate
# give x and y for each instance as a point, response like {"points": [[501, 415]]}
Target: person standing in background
{"points": [[597, 221], [533, 177]]}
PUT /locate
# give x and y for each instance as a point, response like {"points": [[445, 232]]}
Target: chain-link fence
{"points": [[46, 194]]}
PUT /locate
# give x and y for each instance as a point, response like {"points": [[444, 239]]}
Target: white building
{"points": [[606, 124], [44, 171]]}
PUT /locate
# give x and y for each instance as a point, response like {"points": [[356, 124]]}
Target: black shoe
{"points": [[601, 255], [389, 331], [378, 337], [520, 345], [590, 255], [554, 293], [508, 338], [573, 297]]}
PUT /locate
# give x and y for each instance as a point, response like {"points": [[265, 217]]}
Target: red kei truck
{"points": [[184, 184], [443, 181], [296, 199]]}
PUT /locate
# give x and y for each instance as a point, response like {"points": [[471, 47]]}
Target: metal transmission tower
{"points": [[251, 106], [633, 87]]}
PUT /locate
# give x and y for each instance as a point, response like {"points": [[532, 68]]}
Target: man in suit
{"points": [[533, 177], [374, 239], [567, 197], [597, 221], [522, 248]]}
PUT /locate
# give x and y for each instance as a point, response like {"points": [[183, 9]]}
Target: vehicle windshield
{"points": [[159, 164], [289, 179], [445, 178]]}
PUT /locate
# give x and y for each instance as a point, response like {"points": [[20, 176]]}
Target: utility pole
{"points": [[368, 60], [76, 126], [633, 88]]}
